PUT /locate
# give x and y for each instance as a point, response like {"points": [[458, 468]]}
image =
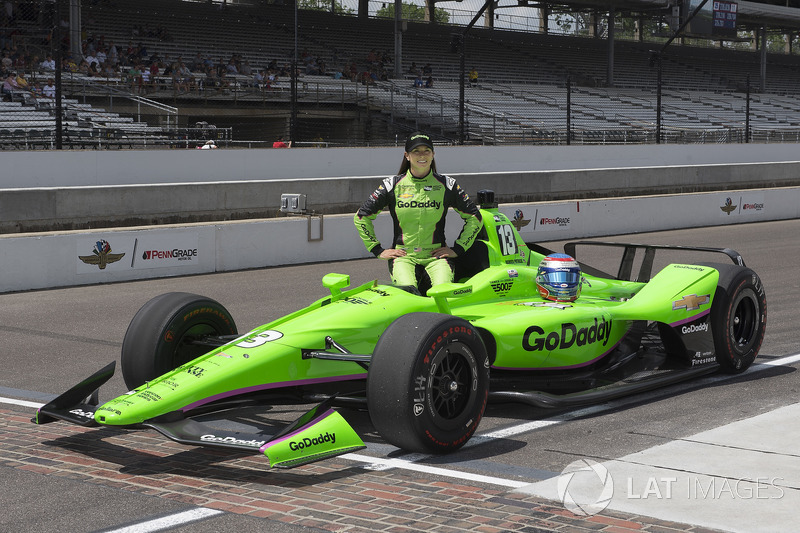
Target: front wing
{"points": [[319, 434]]}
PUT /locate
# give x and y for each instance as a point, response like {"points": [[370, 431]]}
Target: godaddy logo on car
{"points": [[232, 441], [422, 205], [316, 441], [694, 328], [534, 338]]}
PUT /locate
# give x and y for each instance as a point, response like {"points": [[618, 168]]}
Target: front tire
{"points": [[159, 336], [428, 383], [738, 317]]}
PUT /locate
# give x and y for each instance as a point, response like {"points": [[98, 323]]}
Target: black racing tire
{"points": [[428, 383], [157, 339], [738, 317]]}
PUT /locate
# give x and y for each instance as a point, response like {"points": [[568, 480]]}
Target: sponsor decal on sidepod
{"points": [[534, 338]]}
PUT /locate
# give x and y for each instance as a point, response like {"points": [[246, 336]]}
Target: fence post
{"points": [[747, 111], [569, 110]]}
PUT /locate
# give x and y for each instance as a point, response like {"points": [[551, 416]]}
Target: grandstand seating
{"points": [[521, 94]]}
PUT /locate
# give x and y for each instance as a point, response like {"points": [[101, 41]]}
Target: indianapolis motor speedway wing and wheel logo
{"points": [[585, 487]]}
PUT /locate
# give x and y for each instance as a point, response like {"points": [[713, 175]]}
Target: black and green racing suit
{"points": [[418, 207]]}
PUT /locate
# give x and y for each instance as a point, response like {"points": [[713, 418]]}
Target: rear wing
{"points": [[629, 255]]}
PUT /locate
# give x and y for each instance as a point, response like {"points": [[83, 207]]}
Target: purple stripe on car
{"points": [[690, 319]]}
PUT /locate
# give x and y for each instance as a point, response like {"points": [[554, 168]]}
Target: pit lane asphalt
{"points": [[55, 338]]}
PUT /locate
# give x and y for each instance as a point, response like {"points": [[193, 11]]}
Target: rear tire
{"points": [[158, 337], [428, 383], [738, 317]]}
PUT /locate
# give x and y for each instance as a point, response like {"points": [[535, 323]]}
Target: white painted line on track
{"points": [[781, 361], [167, 522], [404, 464], [23, 403]]}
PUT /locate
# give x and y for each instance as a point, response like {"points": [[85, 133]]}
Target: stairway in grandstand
{"points": [[31, 123]]}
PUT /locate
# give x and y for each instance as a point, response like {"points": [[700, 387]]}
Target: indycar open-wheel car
{"points": [[425, 366]]}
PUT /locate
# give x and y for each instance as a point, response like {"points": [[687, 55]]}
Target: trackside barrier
{"points": [[48, 260]]}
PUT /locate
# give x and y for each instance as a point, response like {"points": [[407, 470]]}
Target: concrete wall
{"points": [[76, 168], [36, 261], [50, 209]]}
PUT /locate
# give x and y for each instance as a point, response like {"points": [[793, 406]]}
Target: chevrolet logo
{"points": [[691, 302]]}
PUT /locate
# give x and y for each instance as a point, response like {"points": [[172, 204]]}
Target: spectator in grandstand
{"points": [[246, 69], [113, 53], [49, 90], [108, 70], [366, 77], [429, 83], [281, 143], [413, 70], [169, 65], [69, 65], [37, 91], [231, 69], [427, 71], [7, 62], [473, 76], [101, 56], [310, 65], [418, 81], [49, 64], [179, 86], [223, 82], [208, 145], [154, 72], [197, 64], [92, 60], [258, 79], [84, 69], [10, 84], [22, 81], [211, 81], [135, 77], [187, 78], [131, 53], [144, 87]]}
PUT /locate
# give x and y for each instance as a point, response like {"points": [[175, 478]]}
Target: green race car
{"points": [[425, 366]]}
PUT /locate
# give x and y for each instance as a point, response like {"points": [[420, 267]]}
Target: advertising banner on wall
{"points": [[746, 204], [115, 252]]}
